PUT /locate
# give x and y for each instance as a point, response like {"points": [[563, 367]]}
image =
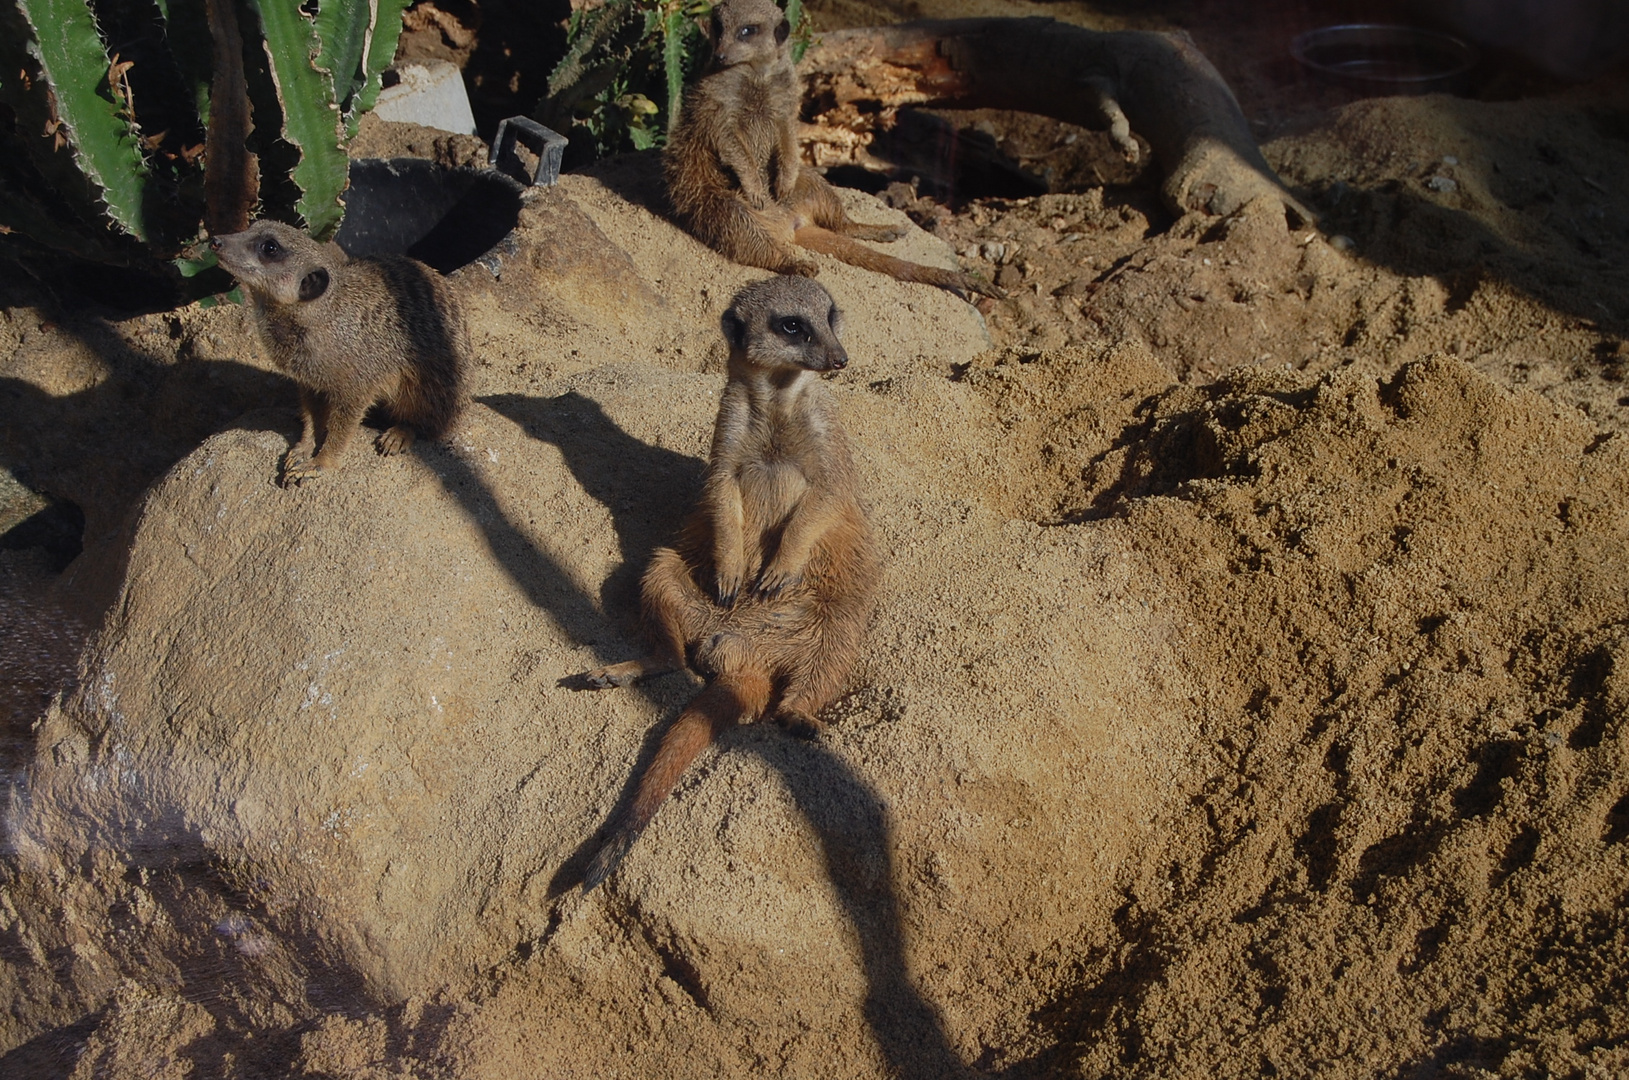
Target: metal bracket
{"points": [[549, 146]]}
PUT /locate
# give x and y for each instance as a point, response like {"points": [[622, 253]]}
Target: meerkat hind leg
{"points": [[814, 199], [805, 695], [761, 238], [679, 613], [627, 673]]}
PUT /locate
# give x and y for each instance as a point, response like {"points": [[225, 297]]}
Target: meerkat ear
{"points": [[735, 330], [782, 31], [314, 284]]}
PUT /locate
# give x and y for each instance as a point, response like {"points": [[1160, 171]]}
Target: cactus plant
{"points": [[109, 101]]}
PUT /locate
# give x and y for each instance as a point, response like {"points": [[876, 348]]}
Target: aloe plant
{"points": [[623, 74], [106, 157]]}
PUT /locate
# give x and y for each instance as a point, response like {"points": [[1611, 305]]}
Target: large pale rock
{"points": [[343, 699], [337, 710]]}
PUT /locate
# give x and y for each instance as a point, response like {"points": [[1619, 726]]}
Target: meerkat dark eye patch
{"points": [[269, 249], [794, 328], [314, 284], [746, 32], [781, 32]]}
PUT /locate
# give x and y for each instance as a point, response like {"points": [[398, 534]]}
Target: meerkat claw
{"points": [[773, 585], [800, 725], [983, 288], [296, 473], [728, 590], [395, 441], [607, 679]]}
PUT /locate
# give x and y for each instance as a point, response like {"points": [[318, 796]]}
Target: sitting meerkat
{"points": [[771, 584], [732, 167], [353, 333]]}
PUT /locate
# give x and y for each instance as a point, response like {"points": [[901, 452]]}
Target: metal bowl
{"points": [[1386, 59]]}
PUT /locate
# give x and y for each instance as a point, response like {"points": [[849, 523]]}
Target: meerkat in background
{"points": [[353, 333], [768, 591], [732, 167]]}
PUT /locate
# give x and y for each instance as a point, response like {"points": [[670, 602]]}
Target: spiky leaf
{"points": [[186, 29], [673, 35], [801, 35], [380, 51], [72, 59], [343, 28], [311, 118], [589, 31], [21, 212]]}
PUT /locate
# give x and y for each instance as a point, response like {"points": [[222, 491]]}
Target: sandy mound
{"points": [[1268, 726]]}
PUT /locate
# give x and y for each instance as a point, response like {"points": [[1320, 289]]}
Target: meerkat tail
{"points": [[816, 238], [730, 700]]}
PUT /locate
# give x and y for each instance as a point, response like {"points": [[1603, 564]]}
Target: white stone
{"points": [[431, 95]]}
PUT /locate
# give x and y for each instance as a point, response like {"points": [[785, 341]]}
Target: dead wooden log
{"points": [[1156, 84]]}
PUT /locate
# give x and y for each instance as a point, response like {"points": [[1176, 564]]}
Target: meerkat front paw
{"points": [[394, 441], [297, 465], [728, 587]]}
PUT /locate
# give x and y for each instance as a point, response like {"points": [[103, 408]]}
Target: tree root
{"points": [[1157, 84]]}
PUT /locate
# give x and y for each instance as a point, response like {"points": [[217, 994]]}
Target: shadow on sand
{"points": [[647, 490]]}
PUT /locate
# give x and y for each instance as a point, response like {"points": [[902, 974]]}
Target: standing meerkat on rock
{"points": [[768, 591], [732, 168], [353, 333]]}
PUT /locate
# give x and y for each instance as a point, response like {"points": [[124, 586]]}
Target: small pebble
{"points": [[1449, 159], [1341, 243], [1442, 184]]}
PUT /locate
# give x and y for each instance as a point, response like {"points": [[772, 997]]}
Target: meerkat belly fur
{"points": [[353, 333], [732, 168], [771, 584]]}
